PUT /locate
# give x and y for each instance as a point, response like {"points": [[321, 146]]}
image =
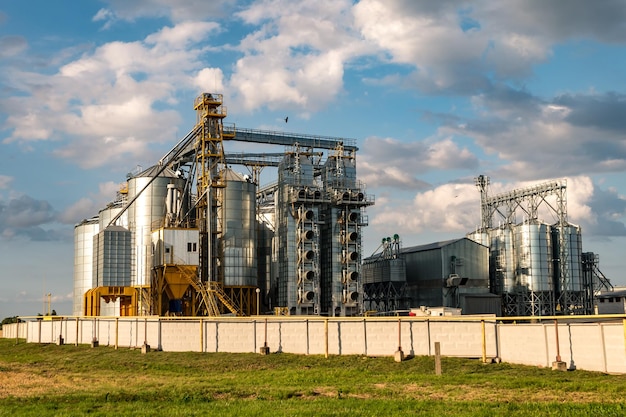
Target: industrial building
{"points": [[453, 273], [190, 236], [506, 267]]}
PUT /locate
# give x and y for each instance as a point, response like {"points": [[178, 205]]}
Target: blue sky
{"points": [[435, 93]]}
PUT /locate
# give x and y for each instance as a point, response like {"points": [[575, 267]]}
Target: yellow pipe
{"points": [[326, 338], [482, 328], [201, 335]]}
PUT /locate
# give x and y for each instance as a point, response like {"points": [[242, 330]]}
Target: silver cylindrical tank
{"points": [[573, 252], [239, 237], [533, 244], [108, 213], [146, 214], [502, 260], [480, 237], [83, 261]]}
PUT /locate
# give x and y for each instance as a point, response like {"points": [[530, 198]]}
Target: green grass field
{"points": [[38, 380]]}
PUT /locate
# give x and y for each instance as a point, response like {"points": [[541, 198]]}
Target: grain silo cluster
{"points": [[190, 236]]}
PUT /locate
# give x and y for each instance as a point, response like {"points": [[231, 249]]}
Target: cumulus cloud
{"points": [[87, 207], [122, 10], [390, 162], [455, 208], [5, 181], [542, 138], [114, 100], [12, 45], [296, 58], [24, 216], [483, 41]]}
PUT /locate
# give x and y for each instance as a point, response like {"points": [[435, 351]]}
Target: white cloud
{"points": [[86, 207], [391, 162], [296, 58], [108, 102], [455, 208], [5, 181], [175, 11]]}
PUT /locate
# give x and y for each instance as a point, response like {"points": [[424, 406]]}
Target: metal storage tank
{"points": [[146, 214], [481, 237], [83, 261], [573, 236], [112, 257], [502, 260], [533, 247], [239, 235], [109, 212]]}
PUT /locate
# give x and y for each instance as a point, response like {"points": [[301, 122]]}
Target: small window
{"points": [[167, 250], [192, 247]]}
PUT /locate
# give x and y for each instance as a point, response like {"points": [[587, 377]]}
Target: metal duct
{"points": [[351, 276], [352, 257], [307, 234], [307, 255]]}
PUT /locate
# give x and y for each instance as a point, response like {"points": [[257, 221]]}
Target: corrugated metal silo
{"points": [[239, 236], [83, 261], [146, 214], [573, 248], [502, 259], [533, 245]]}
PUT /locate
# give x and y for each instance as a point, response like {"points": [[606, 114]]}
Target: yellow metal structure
{"points": [[210, 185], [128, 300]]}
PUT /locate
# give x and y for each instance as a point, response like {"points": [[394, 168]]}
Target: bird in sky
{"points": [[286, 119]]}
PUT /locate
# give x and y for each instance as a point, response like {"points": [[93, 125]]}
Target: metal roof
{"points": [[431, 246]]}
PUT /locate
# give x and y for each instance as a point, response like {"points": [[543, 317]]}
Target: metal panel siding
{"points": [[534, 256], [146, 214], [83, 262], [239, 237]]}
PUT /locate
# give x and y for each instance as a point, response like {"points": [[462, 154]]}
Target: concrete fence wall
{"points": [[589, 346]]}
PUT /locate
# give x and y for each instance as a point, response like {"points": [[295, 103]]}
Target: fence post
{"points": [[437, 358], [326, 338], [558, 364], [482, 327], [399, 355]]}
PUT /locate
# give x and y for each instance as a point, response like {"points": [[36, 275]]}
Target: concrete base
{"points": [[60, 341], [398, 356], [559, 366], [264, 350], [145, 348], [94, 343]]}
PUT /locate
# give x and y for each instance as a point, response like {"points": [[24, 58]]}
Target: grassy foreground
{"points": [[38, 380]]}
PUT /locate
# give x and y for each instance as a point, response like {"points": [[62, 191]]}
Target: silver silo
{"points": [[239, 235], [109, 212], [480, 236], [83, 261], [533, 244], [502, 260], [573, 252], [146, 214]]}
